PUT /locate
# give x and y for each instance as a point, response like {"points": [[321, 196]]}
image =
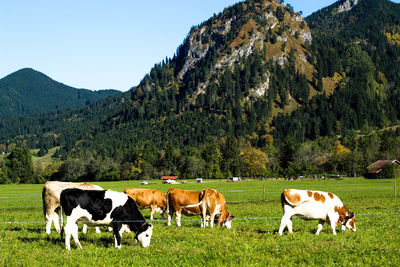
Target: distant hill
{"points": [[28, 91]]}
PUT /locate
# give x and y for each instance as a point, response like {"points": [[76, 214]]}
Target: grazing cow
{"points": [[177, 202], [51, 201], [315, 205], [213, 203], [148, 198], [108, 208]]}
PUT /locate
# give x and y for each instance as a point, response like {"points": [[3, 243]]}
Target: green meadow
{"points": [[253, 239]]}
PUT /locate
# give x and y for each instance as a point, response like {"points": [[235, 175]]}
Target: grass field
{"points": [[251, 241]]}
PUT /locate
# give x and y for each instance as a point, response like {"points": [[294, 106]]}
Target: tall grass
{"points": [[251, 241]]}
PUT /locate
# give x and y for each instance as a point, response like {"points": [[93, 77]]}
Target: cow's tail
{"points": [[168, 197], [194, 205], [283, 200], [44, 200], [201, 198], [62, 221]]}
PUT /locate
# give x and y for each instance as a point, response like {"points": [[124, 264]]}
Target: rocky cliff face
{"points": [[347, 5], [264, 27]]}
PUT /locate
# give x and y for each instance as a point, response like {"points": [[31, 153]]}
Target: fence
{"points": [[12, 202]]}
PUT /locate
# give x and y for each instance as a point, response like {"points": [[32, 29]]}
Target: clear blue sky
{"points": [[100, 44]]}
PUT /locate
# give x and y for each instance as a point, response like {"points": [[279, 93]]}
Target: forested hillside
{"points": [[353, 51], [255, 90], [27, 92]]}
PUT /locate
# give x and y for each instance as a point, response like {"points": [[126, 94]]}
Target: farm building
{"points": [[169, 179], [383, 169]]}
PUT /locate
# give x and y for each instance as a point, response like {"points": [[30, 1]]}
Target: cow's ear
{"points": [[151, 226], [232, 217]]}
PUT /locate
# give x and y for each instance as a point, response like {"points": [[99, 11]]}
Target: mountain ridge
{"points": [[279, 89]]}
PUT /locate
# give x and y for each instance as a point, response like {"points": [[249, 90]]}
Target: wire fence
{"points": [[236, 218], [258, 193]]}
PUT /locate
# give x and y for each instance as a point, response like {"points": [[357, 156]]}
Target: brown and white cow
{"points": [[148, 198], [315, 205], [213, 203], [51, 201], [179, 199]]}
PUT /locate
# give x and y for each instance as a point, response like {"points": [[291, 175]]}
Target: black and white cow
{"points": [[99, 207]]}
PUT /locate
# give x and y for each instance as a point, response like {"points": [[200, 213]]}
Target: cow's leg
{"points": [[48, 219], [320, 225], [124, 229], [97, 230], [289, 224], [333, 226], [213, 213], [67, 238], [207, 220], [68, 229], [333, 220], [75, 235], [162, 213], [283, 224], [84, 229], [153, 209], [178, 218], [117, 235], [286, 221], [55, 219], [170, 213], [203, 217]]}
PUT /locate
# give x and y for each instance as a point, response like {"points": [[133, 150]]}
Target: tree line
{"points": [[216, 159]]}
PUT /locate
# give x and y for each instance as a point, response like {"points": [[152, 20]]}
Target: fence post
{"points": [[264, 192]]}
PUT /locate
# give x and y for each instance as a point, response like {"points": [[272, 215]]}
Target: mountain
{"points": [[230, 75], [258, 72], [356, 54], [27, 91]]}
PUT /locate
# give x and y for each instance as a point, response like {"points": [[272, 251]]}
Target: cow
{"points": [[51, 201], [315, 205], [149, 198], [213, 203], [100, 207], [178, 199]]}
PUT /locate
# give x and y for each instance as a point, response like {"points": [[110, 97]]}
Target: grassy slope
{"points": [[252, 241], [45, 160]]}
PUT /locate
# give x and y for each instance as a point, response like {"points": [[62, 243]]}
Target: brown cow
{"points": [[213, 203], [51, 201], [178, 199], [148, 198]]}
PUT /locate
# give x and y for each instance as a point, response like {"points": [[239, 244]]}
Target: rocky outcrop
{"points": [[262, 30], [347, 5]]}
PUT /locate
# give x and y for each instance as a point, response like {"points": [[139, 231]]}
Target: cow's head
{"points": [[144, 233], [346, 218], [226, 220], [349, 222]]}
